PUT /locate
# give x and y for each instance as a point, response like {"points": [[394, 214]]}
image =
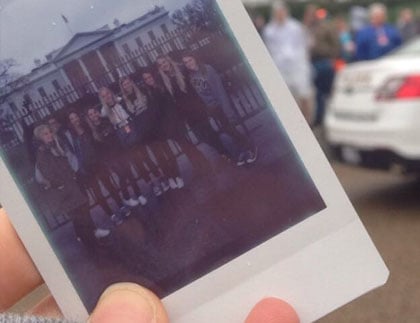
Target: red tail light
{"points": [[400, 88]]}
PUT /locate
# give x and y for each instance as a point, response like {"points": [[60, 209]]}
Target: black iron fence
{"points": [[214, 48]]}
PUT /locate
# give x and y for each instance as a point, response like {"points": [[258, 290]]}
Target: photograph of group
{"points": [[143, 142]]}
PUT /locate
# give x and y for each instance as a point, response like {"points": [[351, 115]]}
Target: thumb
{"points": [[272, 310], [128, 303]]}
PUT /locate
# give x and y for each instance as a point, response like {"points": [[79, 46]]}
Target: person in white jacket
{"points": [[287, 43]]}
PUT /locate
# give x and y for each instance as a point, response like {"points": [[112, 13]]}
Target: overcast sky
{"points": [[30, 29]]}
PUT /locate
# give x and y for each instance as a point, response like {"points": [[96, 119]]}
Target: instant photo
{"points": [[142, 141]]}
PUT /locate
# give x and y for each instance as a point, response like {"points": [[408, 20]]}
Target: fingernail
{"points": [[124, 303], [272, 310]]}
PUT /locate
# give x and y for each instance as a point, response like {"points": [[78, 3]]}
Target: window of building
{"points": [[139, 42], [13, 107], [152, 35], [27, 99], [42, 92], [164, 28], [126, 48], [56, 85]]}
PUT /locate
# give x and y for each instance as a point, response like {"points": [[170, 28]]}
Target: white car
{"points": [[373, 117]]}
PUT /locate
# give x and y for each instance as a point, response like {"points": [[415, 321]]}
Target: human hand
{"points": [[123, 303]]}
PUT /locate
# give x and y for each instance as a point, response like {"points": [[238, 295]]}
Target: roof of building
{"points": [[79, 41], [84, 39]]}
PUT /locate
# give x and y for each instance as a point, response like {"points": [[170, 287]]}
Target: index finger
{"points": [[18, 275]]}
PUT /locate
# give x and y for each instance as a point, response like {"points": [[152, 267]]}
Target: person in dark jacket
{"points": [[145, 120], [408, 25], [92, 170], [63, 190], [208, 85], [115, 110], [324, 47], [61, 132], [170, 126], [188, 104], [111, 152]]}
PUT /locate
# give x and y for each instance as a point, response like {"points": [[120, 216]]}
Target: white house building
{"points": [[87, 62]]}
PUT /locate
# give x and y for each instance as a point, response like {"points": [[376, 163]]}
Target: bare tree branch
{"points": [[9, 80], [6, 76], [199, 15]]}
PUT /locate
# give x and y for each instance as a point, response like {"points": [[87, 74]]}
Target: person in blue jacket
{"points": [[378, 38]]}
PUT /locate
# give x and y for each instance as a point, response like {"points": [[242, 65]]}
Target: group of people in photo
{"points": [[137, 134]]}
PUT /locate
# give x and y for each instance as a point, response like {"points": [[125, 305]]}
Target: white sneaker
{"points": [[165, 186], [252, 156], [102, 233], [116, 219], [241, 159], [180, 182], [142, 200], [172, 183], [124, 211], [157, 190], [131, 202]]}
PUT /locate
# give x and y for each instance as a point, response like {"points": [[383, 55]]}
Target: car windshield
{"points": [[412, 48]]}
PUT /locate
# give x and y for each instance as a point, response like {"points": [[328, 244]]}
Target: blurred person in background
{"points": [[407, 25], [359, 18], [259, 22], [324, 44], [347, 46], [286, 40], [379, 37]]}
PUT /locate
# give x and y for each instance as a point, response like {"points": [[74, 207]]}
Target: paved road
{"points": [[389, 206]]}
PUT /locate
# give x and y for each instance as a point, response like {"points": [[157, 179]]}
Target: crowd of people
{"points": [[131, 136], [309, 52]]}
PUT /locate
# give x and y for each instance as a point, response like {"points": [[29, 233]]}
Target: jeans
{"points": [[241, 141], [323, 81]]}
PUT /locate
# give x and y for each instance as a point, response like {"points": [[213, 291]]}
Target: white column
{"points": [[86, 72], [121, 53], [65, 77], [67, 84], [105, 65]]}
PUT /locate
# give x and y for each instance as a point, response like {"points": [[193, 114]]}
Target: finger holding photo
{"points": [[18, 275]]}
